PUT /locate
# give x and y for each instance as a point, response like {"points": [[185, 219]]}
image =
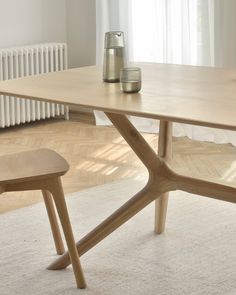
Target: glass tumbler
{"points": [[130, 79]]}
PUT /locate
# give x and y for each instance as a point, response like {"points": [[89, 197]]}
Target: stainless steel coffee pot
{"points": [[114, 56]]}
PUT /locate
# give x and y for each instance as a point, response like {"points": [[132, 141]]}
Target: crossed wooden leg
{"points": [[162, 179]]}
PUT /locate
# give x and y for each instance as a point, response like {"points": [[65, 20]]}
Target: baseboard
{"points": [[78, 109]]}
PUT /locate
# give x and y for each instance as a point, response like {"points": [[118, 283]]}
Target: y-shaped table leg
{"points": [[157, 185], [161, 180]]}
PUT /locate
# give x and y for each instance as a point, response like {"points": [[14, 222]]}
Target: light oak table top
{"points": [[188, 94]]}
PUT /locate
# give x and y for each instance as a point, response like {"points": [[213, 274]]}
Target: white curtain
{"points": [[196, 32]]}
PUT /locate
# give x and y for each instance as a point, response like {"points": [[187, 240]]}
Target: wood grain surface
{"points": [[189, 94]]}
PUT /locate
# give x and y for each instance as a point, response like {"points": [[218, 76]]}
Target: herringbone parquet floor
{"points": [[99, 155]]}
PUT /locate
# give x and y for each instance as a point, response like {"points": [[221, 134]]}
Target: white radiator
{"points": [[25, 61]]}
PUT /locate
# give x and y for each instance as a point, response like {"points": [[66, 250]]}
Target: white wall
{"points": [[24, 22], [81, 32], [32, 21]]}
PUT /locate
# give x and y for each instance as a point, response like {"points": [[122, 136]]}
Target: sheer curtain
{"points": [[195, 32]]}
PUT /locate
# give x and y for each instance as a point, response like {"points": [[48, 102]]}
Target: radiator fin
{"points": [[27, 61]]}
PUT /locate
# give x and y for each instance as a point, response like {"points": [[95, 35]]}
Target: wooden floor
{"points": [[98, 155]]}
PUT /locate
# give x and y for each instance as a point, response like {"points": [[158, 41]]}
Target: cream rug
{"points": [[196, 255]]}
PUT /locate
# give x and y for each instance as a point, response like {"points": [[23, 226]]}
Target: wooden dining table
{"points": [[201, 96]]}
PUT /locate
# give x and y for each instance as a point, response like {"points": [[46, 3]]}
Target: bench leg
{"points": [[59, 199], [53, 222]]}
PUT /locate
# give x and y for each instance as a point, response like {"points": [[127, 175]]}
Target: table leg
{"points": [[161, 180], [157, 185], [164, 152], [119, 217]]}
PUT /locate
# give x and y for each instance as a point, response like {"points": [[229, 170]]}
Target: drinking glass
{"points": [[130, 79]]}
